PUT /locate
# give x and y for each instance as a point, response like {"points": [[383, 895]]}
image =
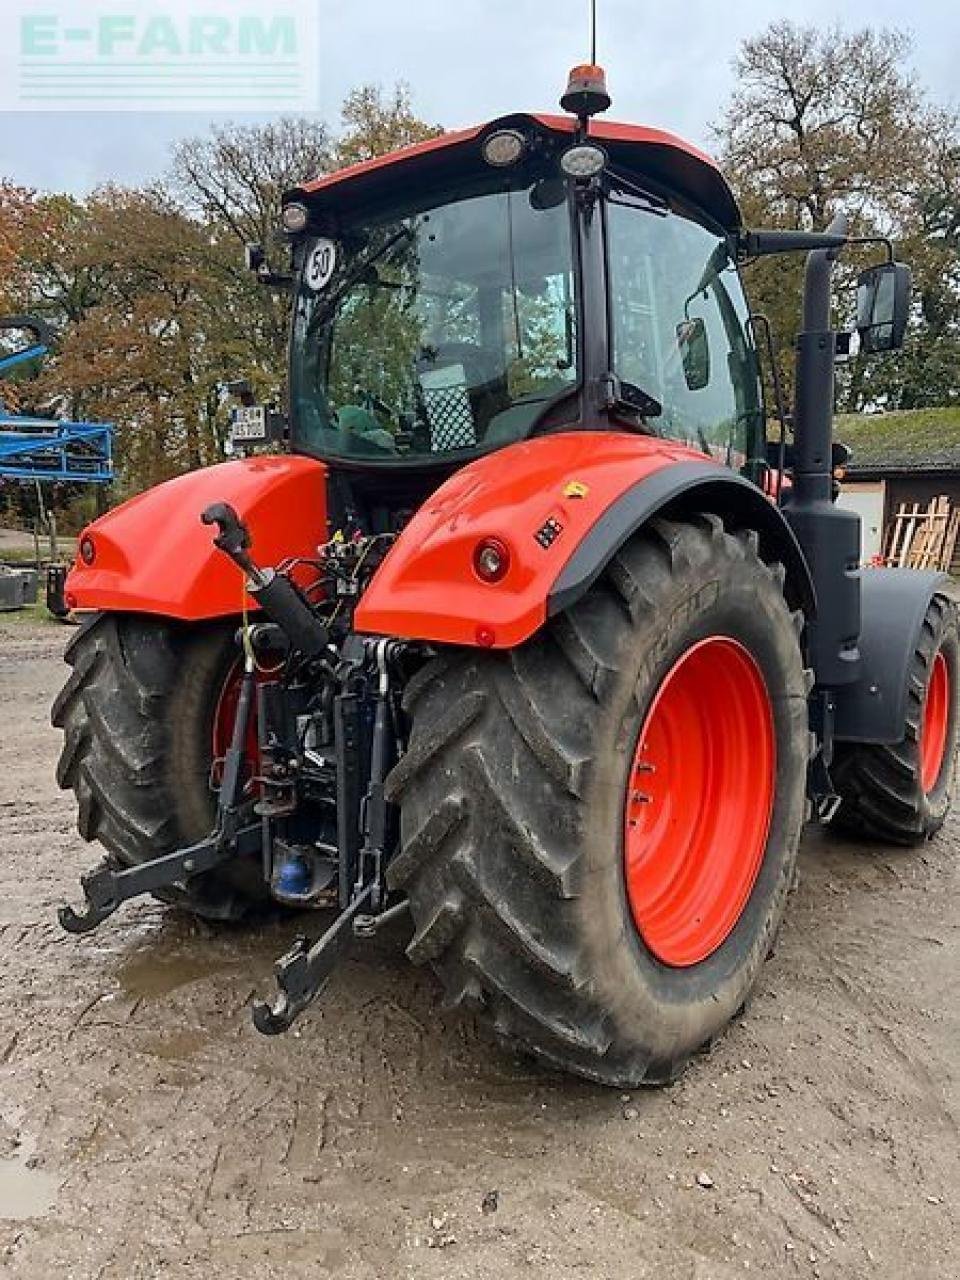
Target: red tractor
{"points": [[531, 634]]}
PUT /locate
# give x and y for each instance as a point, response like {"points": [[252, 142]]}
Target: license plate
{"points": [[249, 423]]}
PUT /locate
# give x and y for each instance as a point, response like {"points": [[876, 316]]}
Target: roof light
{"points": [[586, 93], [504, 148], [294, 218], [583, 160]]}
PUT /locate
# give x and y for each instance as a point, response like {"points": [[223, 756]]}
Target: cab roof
{"points": [[638, 149]]}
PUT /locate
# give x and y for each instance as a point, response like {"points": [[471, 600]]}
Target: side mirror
{"points": [[883, 306], [255, 258], [241, 390], [694, 353]]}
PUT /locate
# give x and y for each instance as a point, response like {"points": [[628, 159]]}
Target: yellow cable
{"points": [[245, 630]]}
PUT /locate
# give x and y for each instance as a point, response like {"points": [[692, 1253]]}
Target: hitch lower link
{"points": [[302, 972], [106, 887]]}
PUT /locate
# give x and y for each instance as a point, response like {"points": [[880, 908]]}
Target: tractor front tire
{"points": [[584, 863], [137, 714], [902, 793]]}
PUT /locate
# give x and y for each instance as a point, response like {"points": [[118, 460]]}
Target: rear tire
{"points": [[137, 714], [513, 797], [884, 793]]}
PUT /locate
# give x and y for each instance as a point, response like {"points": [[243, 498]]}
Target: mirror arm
{"points": [[749, 245], [816, 278], [884, 240]]}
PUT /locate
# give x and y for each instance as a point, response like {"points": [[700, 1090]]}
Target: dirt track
{"points": [[146, 1130]]}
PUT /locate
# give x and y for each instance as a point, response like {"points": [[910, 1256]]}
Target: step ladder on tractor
{"points": [[45, 451]]}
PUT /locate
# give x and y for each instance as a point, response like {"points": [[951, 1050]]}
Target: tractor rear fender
{"points": [[560, 506], [893, 605], [152, 554]]}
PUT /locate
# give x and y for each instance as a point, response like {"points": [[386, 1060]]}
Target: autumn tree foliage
{"points": [[161, 337], [16, 215], [375, 121], [155, 311], [148, 292], [824, 121]]}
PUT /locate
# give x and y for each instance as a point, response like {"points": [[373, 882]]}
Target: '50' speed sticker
{"points": [[320, 264]]}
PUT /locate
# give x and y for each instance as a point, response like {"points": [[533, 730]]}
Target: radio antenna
{"points": [[593, 32]]}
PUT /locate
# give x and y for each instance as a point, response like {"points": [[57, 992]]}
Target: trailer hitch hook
{"points": [[100, 901], [106, 887], [303, 971]]}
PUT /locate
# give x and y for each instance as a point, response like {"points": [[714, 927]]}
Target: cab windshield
{"points": [[441, 332]]}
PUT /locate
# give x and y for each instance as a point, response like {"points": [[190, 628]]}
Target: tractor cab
{"points": [[514, 280]]}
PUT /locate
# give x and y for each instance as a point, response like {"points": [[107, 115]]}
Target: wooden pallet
{"points": [[923, 537]]}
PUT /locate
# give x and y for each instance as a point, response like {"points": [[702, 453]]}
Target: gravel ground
{"points": [[146, 1130]]}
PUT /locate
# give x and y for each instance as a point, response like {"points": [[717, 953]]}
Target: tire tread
{"points": [[493, 891]]}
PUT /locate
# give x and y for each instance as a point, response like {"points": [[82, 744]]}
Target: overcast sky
{"points": [[471, 60]]}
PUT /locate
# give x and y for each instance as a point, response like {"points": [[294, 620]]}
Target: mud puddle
{"points": [[26, 1192]]}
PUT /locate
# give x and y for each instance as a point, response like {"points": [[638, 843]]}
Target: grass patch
{"points": [[24, 555], [32, 615], [910, 437], [20, 555]]}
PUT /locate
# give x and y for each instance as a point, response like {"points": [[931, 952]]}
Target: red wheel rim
{"points": [[936, 719], [699, 801]]}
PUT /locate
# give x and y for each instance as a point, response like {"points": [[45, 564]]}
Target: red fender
{"points": [[427, 587], [152, 554]]}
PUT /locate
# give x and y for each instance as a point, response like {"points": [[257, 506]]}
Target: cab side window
{"points": [[680, 330]]}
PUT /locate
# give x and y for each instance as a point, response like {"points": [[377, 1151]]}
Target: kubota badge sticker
{"points": [[320, 264]]}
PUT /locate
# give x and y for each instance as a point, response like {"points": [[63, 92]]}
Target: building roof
{"points": [[915, 440]]}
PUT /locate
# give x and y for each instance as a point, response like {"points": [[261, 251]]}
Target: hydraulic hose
{"points": [[284, 605], [274, 592]]}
